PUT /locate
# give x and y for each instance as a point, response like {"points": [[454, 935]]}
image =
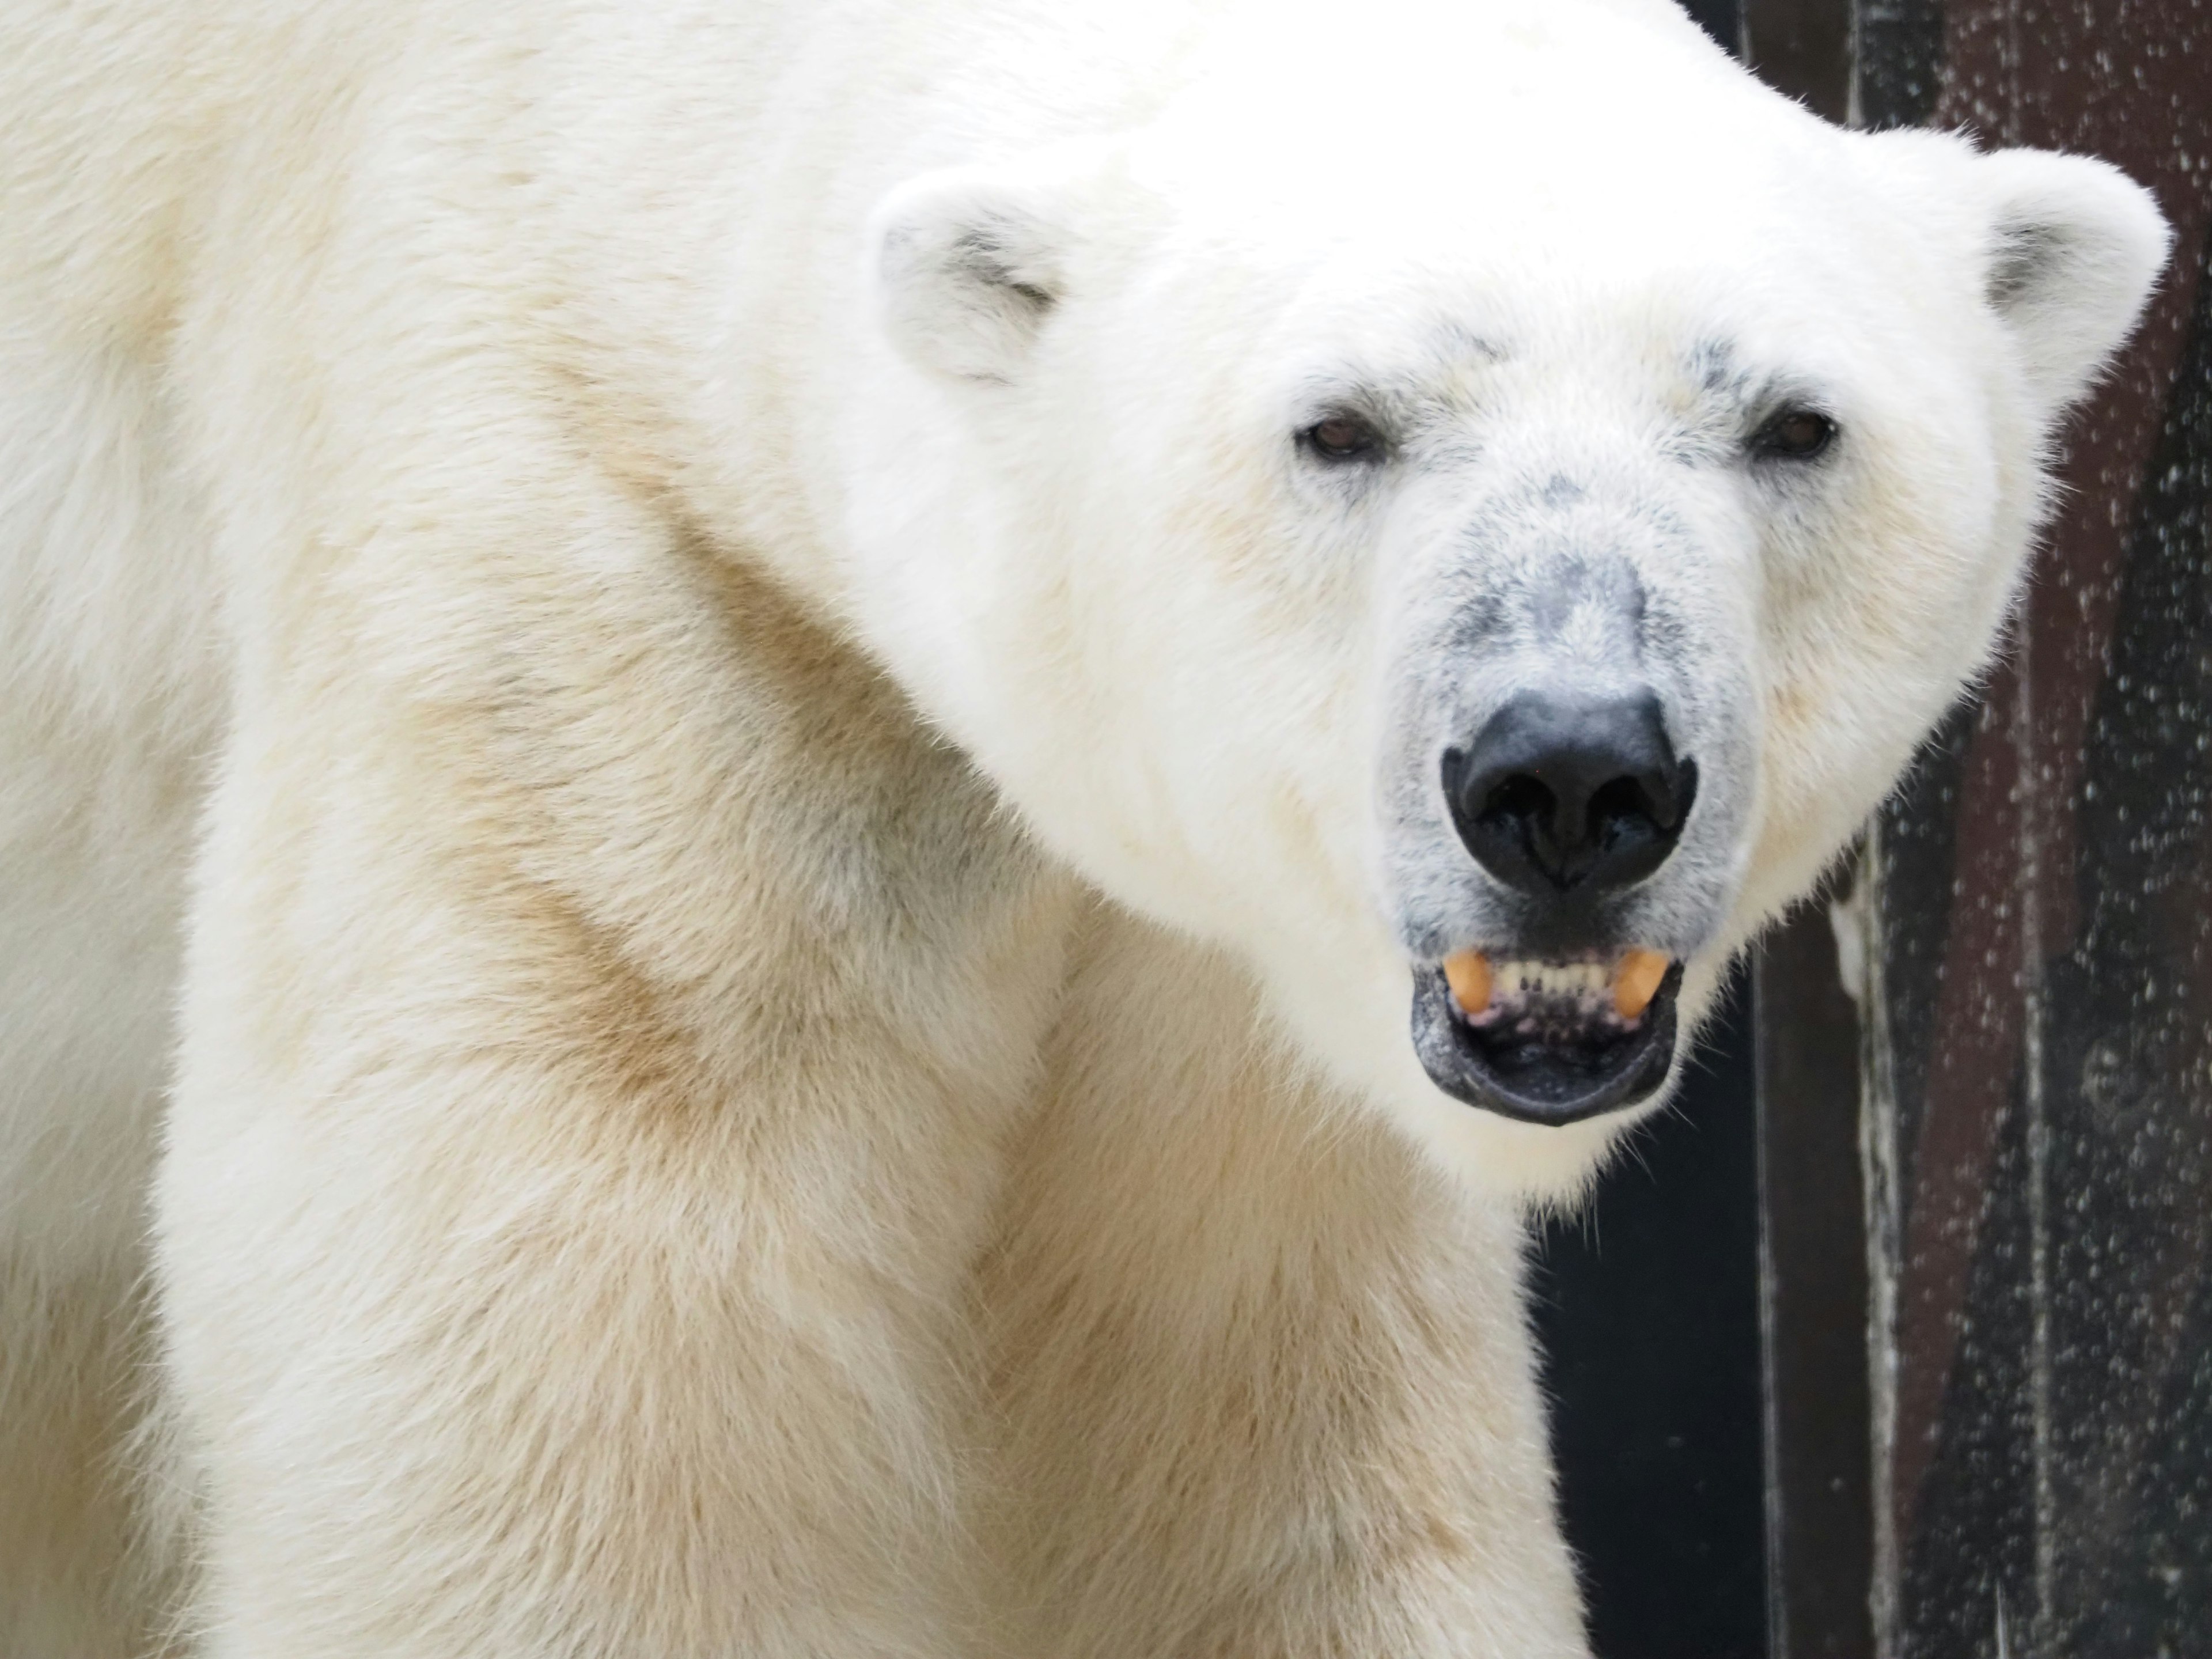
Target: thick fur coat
{"points": [[713, 830]]}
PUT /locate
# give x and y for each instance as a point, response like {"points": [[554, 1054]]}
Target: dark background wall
{"points": [[2041, 1109], [1897, 1338], [1648, 1306]]}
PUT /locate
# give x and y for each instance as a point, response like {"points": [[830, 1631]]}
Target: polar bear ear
{"points": [[968, 265], [2075, 246]]}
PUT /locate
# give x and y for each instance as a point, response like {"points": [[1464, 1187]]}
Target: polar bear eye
{"points": [[1342, 438], [1795, 435]]}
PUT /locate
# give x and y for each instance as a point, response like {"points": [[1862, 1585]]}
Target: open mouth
{"points": [[1551, 1041]]}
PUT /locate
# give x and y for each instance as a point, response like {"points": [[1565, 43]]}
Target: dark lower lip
{"points": [[1554, 1087]]}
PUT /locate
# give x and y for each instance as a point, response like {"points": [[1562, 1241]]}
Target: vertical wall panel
{"points": [[2037, 1081], [1813, 1295]]}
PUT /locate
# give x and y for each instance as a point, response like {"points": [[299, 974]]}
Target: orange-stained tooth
{"points": [[1469, 975], [1636, 981]]}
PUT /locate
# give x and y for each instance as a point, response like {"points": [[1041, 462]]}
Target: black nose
{"points": [[1559, 792]]}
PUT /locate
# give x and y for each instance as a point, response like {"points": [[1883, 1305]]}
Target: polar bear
{"points": [[815, 812]]}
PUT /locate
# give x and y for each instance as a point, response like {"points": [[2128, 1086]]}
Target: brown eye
{"points": [[1795, 435], [1342, 438]]}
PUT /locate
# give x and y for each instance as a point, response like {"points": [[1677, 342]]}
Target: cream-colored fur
{"points": [[755, 884], [1287, 1411]]}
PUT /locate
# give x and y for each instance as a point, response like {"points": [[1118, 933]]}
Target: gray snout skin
{"points": [[1569, 796], [1568, 799]]}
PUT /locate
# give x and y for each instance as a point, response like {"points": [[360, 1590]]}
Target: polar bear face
{"points": [[1477, 597]]}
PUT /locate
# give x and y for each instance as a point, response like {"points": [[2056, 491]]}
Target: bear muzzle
{"points": [[1567, 800], [1545, 1040]]}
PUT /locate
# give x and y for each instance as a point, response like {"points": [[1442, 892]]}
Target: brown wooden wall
{"points": [[2032, 1100]]}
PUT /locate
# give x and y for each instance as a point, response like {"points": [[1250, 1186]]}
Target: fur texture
{"points": [[675, 671]]}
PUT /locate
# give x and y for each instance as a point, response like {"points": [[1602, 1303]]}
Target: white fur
{"points": [[672, 664]]}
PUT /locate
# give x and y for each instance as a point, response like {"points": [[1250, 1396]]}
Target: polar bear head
{"points": [[1473, 528]]}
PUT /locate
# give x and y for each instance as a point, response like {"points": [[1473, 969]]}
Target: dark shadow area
{"points": [[1647, 1306], [1722, 18]]}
